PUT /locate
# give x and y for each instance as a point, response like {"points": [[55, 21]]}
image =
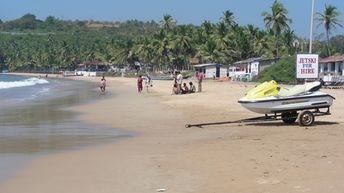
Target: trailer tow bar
{"points": [[253, 119]]}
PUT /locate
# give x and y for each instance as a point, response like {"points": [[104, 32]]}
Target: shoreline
{"points": [[47, 125], [263, 157], [88, 116]]}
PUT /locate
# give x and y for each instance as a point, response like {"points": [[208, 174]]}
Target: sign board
{"points": [[307, 66], [254, 68]]}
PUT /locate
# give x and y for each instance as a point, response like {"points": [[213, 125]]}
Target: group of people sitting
{"points": [[179, 87], [184, 89]]}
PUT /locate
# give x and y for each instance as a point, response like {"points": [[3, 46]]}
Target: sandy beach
{"points": [[165, 156]]}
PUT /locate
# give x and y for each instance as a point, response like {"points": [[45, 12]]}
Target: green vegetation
{"points": [[329, 19], [277, 22], [30, 44], [283, 71]]}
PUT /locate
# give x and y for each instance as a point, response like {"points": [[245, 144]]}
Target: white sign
{"points": [[254, 68], [307, 66]]}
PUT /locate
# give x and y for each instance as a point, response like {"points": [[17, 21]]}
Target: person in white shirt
{"points": [[179, 80]]}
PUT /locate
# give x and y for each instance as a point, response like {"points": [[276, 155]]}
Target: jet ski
{"points": [[269, 97], [301, 102]]}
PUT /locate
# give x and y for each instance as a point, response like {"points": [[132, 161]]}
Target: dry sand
{"points": [[166, 156]]}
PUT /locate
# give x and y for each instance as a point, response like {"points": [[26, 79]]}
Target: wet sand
{"points": [[255, 158], [34, 127]]}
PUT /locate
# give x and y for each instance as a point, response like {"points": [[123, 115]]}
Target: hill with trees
{"points": [[30, 44]]}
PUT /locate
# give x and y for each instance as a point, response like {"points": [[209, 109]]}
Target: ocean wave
{"points": [[22, 83]]}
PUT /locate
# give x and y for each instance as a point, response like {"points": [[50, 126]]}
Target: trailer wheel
{"points": [[306, 118], [289, 117]]}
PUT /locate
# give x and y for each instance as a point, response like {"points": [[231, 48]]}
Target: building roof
{"points": [[332, 59], [250, 60], [204, 65], [247, 61]]}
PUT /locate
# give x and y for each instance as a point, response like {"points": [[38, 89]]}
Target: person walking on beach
{"points": [[148, 81], [102, 84], [179, 80], [139, 83], [174, 78], [200, 79]]}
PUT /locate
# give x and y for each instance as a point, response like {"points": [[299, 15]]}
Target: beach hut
{"points": [[251, 67], [212, 70], [91, 68], [331, 69]]}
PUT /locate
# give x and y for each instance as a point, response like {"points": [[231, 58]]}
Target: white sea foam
{"points": [[44, 91], [22, 83]]}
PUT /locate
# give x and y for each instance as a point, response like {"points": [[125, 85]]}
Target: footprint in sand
{"points": [[268, 181]]}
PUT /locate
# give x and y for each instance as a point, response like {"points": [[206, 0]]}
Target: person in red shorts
{"points": [[139, 83], [102, 84]]}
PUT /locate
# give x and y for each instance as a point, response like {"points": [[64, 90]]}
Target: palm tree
{"points": [[162, 48], [261, 45], [329, 19], [125, 54], [288, 38], [208, 52], [180, 45], [51, 50], [241, 44], [144, 49], [277, 21], [221, 30], [228, 19], [64, 54], [259, 40], [222, 38], [168, 22], [206, 29]]}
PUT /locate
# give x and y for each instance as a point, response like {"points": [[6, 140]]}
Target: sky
{"points": [[184, 11]]}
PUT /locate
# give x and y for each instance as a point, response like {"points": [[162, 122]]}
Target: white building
{"points": [[91, 68], [212, 70], [255, 65], [247, 69], [331, 69]]}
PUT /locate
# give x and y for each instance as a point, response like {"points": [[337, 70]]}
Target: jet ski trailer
{"points": [[301, 103], [304, 117], [302, 107]]}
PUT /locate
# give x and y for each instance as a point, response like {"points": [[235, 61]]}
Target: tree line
{"points": [[29, 44]]}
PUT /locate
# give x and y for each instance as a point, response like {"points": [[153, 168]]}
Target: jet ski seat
{"points": [[299, 89], [313, 86]]}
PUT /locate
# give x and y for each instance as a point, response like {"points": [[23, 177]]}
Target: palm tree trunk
{"points": [[328, 42], [277, 51]]}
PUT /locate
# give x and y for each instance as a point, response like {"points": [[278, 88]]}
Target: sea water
{"points": [[14, 89], [35, 120]]}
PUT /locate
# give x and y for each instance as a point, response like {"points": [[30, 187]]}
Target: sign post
{"points": [[307, 66], [254, 69], [311, 31]]}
